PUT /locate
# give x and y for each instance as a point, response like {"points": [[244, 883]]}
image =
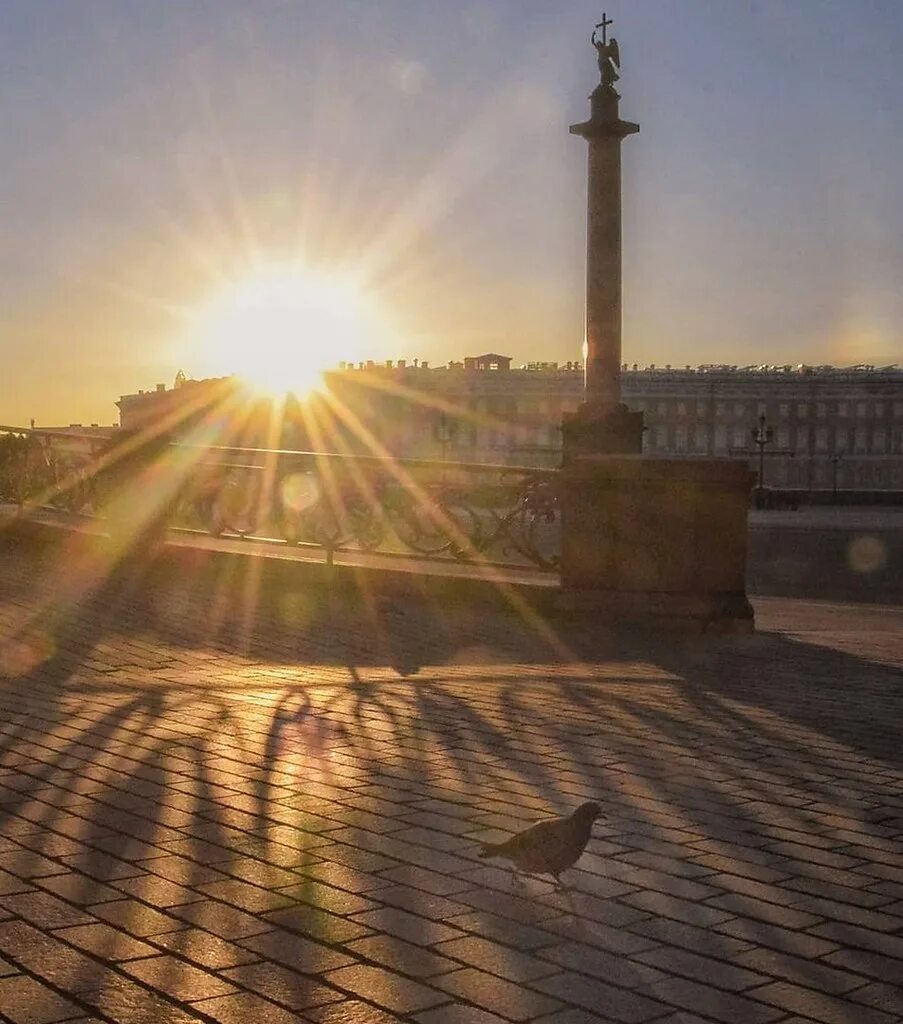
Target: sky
{"points": [[156, 154]]}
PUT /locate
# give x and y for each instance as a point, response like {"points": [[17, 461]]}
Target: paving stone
{"points": [[496, 959], [329, 898], [457, 1014], [513, 933], [800, 970], [44, 909], [296, 951], [156, 891], [136, 918], [864, 962], [713, 1002], [422, 878], [79, 889], [220, 919], [385, 988], [609, 967], [244, 1007], [205, 949], [820, 1006], [617, 1003], [495, 994], [886, 997], [26, 1001], [701, 968], [390, 951], [318, 923], [106, 942], [177, 979], [289, 988], [417, 930], [350, 1011]]}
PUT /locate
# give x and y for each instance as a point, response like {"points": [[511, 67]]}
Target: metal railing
{"points": [[465, 512]]}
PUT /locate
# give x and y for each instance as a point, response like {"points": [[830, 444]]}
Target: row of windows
{"points": [[861, 440], [741, 410]]}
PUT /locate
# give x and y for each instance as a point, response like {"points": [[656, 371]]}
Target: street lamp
{"points": [[835, 459], [762, 435], [445, 432]]}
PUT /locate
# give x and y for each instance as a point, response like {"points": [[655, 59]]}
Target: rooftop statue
{"points": [[609, 56]]}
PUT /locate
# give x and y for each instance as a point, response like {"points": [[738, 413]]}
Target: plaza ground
{"points": [[225, 805]]}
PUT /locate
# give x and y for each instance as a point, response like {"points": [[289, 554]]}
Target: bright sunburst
{"points": [[280, 328]]}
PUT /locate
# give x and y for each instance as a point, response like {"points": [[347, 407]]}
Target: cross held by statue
{"points": [[603, 24]]}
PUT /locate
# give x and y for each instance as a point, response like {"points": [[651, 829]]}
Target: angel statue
{"points": [[609, 57]]}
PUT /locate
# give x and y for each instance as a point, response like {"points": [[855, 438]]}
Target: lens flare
{"points": [[280, 328]]}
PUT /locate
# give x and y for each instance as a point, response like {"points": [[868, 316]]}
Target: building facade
{"points": [[829, 427]]}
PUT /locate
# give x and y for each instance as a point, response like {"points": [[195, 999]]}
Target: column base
{"points": [[660, 542], [589, 432], [719, 613]]}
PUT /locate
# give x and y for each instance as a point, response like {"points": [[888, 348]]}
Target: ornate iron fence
{"points": [[468, 512]]}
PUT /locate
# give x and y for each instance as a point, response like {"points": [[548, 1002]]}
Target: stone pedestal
{"points": [[656, 541], [588, 432]]}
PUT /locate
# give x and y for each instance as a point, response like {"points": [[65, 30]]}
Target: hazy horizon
{"points": [[154, 154]]}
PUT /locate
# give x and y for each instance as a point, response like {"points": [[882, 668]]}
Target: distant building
{"points": [[829, 424], [825, 420]]}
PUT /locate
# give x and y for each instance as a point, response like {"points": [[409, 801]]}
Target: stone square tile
{"points": [[515, 1001], [26, 1001], [385, 988], [290, 988], [106, 942], [393, 952], [177, 979]]}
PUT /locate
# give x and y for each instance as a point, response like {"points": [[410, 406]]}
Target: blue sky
{"points": [[152, 150]]}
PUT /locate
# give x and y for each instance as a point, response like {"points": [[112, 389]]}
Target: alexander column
{"points": [[602, 425]]}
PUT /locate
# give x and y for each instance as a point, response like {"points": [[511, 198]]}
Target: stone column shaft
{"points": [[602, 352]]}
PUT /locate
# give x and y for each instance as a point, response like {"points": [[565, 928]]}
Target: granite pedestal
{"points": [[656, 541]]}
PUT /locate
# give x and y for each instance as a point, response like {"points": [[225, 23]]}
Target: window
{"points": [[720, 437], [739, 438], [879, 440], [860, 440], [701, 439], [681, 408], [898, 409], [680, 438], [821, 410], [783, 437], [879, 408], [739, 409], [802, 439], [701, 409], [841, 440], [843, 409], [720, 408], [802, 410], [821, 439], [784, 410], [661, 438], [860, 410], [663, 408], [760, 409]]}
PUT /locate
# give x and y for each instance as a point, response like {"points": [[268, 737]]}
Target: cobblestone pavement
{"points": [[216, 809]]}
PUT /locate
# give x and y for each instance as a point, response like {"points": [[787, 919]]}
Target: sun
{"points": [[279, 328]]}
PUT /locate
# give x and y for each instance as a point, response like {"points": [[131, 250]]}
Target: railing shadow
{"points": [[331, 754]]}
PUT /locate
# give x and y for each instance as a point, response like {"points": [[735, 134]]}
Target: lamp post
{"points": [[445, 432], [835, 460], [762, 435]]}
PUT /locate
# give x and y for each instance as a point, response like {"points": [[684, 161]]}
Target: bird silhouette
{"points": [[548, 847]]}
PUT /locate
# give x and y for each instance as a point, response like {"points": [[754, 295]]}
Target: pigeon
{"points": [[548, 847]]}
